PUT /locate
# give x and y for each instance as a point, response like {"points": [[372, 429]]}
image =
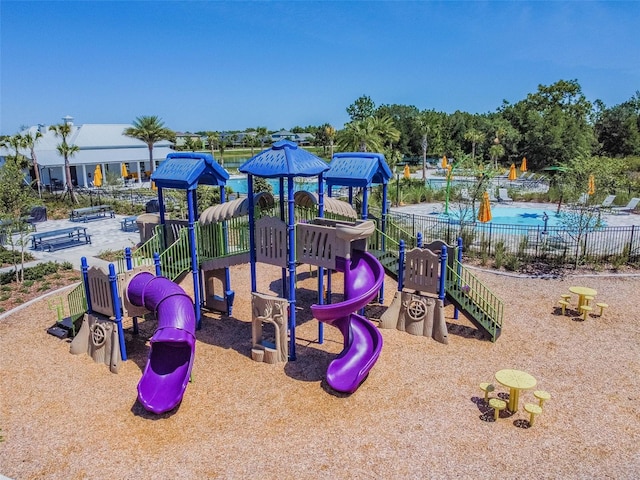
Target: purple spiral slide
{"points": [[168, 368], [362, 339]]}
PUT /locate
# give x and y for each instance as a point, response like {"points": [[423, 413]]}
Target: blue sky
{"points": [[234, 65]]}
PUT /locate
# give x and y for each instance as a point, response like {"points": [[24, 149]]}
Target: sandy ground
{"points": [[420, 413]]}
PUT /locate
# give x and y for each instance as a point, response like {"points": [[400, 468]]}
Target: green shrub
{"points": [[500, 254]]}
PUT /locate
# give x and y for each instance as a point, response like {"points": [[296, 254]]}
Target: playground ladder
{"points": [[469, 295]]}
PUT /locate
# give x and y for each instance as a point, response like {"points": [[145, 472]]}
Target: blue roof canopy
{"points": [[187, 170], [284, 159], [358, 169]]}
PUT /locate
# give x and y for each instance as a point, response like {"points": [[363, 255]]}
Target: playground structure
{"points": [[255, 230]]}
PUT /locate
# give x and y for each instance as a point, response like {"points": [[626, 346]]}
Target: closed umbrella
{"points": [[523, 167], [512, 172], [97, 177], [444, 161], [407, 172], [484, 214], [592, 185], [125, 174]]}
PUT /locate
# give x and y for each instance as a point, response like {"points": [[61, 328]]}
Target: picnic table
{"points": [[515, 380], [128, 224], [62, 238], [91, 213], [583, 292]]}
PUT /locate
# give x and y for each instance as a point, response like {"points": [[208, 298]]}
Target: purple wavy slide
{"points": [[168, 368], [362, 339]]}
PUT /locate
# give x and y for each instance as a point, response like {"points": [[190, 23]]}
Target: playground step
{"points": [[389, 261], [481, 319]]}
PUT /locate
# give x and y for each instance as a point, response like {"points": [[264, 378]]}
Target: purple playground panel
{"points": [[362, 339], [168, 369]]}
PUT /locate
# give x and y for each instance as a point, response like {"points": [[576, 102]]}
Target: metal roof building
{"points": [[99, 144]]}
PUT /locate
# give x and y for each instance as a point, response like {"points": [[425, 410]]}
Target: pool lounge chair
{"points": [[503, 195], [584, 198], [628, 208], [492, 194], [607, 202]]}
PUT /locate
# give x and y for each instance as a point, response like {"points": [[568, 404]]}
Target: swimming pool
{"points": [[520, 216], [239, 185]]}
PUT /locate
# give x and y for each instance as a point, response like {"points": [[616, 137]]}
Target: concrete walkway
{"points": [[105, 235]]}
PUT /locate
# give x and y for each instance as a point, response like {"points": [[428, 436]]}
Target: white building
{"points": [[99, 144]]}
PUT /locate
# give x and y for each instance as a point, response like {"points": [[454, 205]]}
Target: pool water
{"points": [[239, 185], [523, 216]]}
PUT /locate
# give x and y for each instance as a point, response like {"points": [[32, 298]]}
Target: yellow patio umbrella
{"points": [[449, 171], [97, 177], [125, 174], [523, 167], [153, 186], [407, 172], [444, 161], [484, 213], [512, 172], [592, 185]]}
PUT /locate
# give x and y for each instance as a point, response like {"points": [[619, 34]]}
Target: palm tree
{"points": [[426, 125], [149, 129], [474, 136], [330, 133], [261, 133], [212, 139], [16, 142], [67, 151], [29, 141], [360, 135], [386, 130]]}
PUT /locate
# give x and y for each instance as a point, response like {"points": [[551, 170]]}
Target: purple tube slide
{"points": [[362, 339], [168, 368]]}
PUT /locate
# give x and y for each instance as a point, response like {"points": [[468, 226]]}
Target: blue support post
{"points": [[127, 258], [283, 217], [443, 273], [156, 263], [292, 272], [320, 269], [365, 203], [401, 254], [252, 238], [195, 270], [85, 280], [229, 294], [115, 298]]}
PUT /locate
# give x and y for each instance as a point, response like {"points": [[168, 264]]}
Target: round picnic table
{"points": [[583, 292], [515, 380]]}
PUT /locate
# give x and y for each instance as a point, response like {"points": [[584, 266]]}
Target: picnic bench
{"points": [[91, 213], [128, 224], [62, 238]]}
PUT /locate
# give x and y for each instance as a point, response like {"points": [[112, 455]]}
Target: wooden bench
{"points": [[91, 213], [58, 239], [129, 224]]}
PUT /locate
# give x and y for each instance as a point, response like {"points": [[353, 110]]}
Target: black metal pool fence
{"points": [[555, 245]]}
